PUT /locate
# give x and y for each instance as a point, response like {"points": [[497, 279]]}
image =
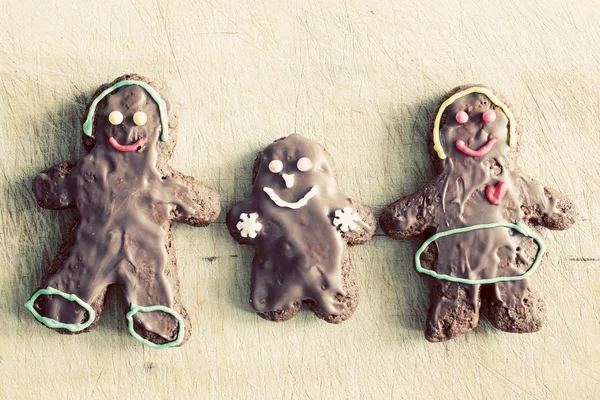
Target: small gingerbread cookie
{"points": [[300, 225], [476, 212], [127, 198]]}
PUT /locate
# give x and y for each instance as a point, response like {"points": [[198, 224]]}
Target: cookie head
{"points": [[128, 115], [129, 120], [474, 123], [292, 171]]}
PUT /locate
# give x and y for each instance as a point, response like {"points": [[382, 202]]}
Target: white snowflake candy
{"points": [[346, 219], [248, 225]]}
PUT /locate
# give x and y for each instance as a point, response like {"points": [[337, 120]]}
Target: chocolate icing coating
{"points": [[126, 203], [300, 256], [457, 198]]}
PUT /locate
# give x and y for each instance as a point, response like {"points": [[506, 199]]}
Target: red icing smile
{"points": [[127, 147], [483, 150]]}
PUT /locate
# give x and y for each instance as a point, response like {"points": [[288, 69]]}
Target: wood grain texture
{"points": [[362, 78]]}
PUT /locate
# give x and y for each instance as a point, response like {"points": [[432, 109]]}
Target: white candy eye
{"points": [[115, 117], [275, 166], [304, 164], [140, 118]]}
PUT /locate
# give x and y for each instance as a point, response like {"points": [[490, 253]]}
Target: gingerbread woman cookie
{"points": [[477, 211], [300, 225], [127, 198]]}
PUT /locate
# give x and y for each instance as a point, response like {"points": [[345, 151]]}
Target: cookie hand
{"points": [[346, 219], [248, 225], [53, 188], [546, 206], [196, 204], [411, 215]]}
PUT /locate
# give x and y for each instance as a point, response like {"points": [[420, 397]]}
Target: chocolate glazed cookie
{"points": [[300, 225], [476, 212], [127, 197]]}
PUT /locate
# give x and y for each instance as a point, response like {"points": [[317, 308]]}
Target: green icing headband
{"points": [[519, 227], [512, 137], [162, 106]]}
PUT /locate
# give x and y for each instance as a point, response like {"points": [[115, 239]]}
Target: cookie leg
{"points": [[71, 300], [151, 290], [347, 301], [154, 317], [263, 294], [515, 307], [72, 296], [283, 314], [453, 310]]}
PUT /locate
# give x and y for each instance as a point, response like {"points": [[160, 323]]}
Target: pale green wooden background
{"points": [[359, 77]]}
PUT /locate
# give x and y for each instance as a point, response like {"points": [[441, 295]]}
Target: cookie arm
{"points": [[545, 206], [243, 230], [54, 188], [368, 226], [195, 204], [410, 216]]}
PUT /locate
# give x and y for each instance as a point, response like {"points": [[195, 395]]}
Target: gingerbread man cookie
{"points": [[300, 225], [476, 212], [127, 198]]}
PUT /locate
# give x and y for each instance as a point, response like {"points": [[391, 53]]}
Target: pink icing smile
{"points": [[127, 147], [483, 150]]}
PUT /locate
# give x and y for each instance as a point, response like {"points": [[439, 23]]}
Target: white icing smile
{"points": [[298, 204]]}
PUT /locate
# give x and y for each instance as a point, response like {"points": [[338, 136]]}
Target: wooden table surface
{"points": [[361, 78]]}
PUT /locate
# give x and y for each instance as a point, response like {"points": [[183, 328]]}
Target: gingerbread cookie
{"points": [[127, 198], [300, 225], [476, 212]]}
